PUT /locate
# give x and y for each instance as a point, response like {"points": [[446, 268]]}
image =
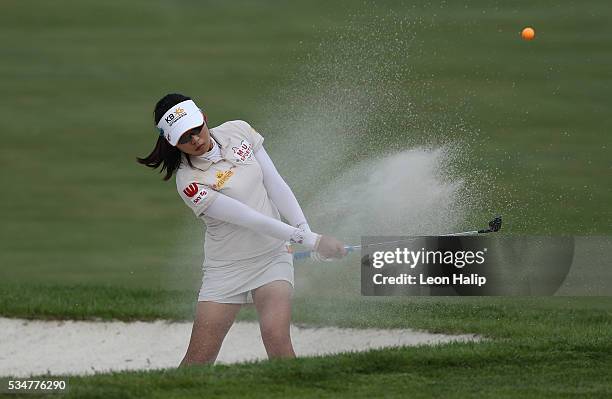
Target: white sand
{"points": [[78, 347]]}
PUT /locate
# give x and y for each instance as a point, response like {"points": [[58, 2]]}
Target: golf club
{"points": [[494, 225]]}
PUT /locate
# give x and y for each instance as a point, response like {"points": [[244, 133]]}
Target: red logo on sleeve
{"points": [[191, 190]]}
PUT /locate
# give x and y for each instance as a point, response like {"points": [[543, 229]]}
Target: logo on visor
{"points": [[191, 190], [175, 116]]}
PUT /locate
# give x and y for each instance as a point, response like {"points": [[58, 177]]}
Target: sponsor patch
{"points": [[201, 195], [191, 190], [222, 178], [243, 152]]}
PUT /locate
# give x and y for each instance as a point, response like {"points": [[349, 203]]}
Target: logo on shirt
{"points": [[195, 194], [175, 116], [191, 190], [201, 195], [243, 152], [222, 178]]}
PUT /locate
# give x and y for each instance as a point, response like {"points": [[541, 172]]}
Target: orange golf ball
{"points": [[528, 33]]}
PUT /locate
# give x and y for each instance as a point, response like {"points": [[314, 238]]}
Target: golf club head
{"points": [[495, 224]]}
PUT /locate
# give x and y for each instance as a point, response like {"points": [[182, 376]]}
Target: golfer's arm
{"points": [[229, 210], [279, 191]]}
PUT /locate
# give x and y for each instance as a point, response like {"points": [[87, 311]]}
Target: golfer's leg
{"points": [[273, 304], [211, 324]]}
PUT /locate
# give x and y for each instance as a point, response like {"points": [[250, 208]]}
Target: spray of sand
{"points": [[364, 147], [404, 193]]}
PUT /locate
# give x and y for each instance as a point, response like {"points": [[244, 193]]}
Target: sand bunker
{"points": [[77, 347]]}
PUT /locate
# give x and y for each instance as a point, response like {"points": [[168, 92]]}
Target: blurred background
{"points": [[385, 117]]}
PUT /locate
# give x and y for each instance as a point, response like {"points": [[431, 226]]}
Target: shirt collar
{"points": [[197, 162], [222, 141], [212, 150], [203, 164]]}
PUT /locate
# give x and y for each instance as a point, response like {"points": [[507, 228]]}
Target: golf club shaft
{"points": [[351, 248]]}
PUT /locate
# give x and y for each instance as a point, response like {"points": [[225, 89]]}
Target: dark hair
{"points": [[164, 154]]}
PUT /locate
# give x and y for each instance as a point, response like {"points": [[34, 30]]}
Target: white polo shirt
{"points": [[238, 175]]}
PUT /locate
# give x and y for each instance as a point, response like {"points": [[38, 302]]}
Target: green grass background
{"points": [[86, 232], [533, 348]]}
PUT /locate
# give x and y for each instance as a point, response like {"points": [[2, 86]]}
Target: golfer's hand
{"points": [[329, 247]]}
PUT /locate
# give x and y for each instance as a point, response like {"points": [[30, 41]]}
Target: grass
{"points": [[87, 233], [495, 316], [532, 117], [466, 370], [534, 347]]}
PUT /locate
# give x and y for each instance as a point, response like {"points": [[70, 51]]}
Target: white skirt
{"points": [[233, 281]]}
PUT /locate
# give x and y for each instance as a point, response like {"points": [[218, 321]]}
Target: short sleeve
{"points": [[251, 135], [197, 196]]}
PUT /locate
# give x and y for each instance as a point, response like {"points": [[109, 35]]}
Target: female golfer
{"points": [[228, 180]]}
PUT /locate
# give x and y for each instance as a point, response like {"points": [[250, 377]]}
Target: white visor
{"points": [[180, 118]]}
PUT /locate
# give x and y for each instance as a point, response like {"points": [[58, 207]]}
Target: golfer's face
{"points": [[195, 141]]}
